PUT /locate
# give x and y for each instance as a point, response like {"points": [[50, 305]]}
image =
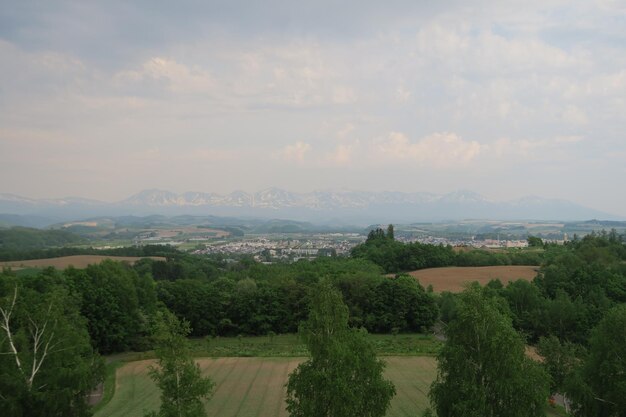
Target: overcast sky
{"points": [[505, 98]]}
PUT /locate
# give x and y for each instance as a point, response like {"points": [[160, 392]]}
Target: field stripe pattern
{"points": [[255, 387]]}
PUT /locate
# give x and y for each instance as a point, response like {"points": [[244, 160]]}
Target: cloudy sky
{"points": [[104, 99]]}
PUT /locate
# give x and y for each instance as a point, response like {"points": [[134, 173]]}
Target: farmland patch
{"points": [[454, 278], [77, 261]]}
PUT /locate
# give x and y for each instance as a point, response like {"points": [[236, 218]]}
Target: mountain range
{"points": [[326, 207]]}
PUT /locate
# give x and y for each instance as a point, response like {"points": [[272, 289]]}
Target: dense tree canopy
{"points": [[257, 299], [110, 303], [601, 384], [18, 239]]}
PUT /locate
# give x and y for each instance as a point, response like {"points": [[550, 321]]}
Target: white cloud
{"points": [[342, 155], [345, 131], [508, 149], [295, 152], [402, 95], [208, 154], [521, 150], [543, 83], [179, 77], [574, 115], [437, 149], [568, 139], [343, 95]]}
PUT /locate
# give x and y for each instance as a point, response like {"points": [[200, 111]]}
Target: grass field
{"points": [[77, 261], [290, 345], [454, 278], [254, 387]]}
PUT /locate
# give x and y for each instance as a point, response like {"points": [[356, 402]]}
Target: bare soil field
{"points": [[454, 278], [77, 261], [256, 386]]}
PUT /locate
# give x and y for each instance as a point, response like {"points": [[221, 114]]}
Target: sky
{"points": [[505, 98]]}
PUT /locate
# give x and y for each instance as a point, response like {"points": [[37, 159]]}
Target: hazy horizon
{"points": [[319, 206], [104, 100]]}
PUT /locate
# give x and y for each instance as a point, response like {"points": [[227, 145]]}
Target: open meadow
{"points": [[454, 278], [77, 261], [254, 387]]}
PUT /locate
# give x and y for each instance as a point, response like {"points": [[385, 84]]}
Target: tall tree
{"points": [[109, 302], [47, 365], [343, 377], [599, 390], [390, 233], [177, 375], [483, 371], [560, 359]]}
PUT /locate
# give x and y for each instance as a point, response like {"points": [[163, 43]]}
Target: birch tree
{"points": [[598, 388], [177, 375], [48, 366], [343, 377], [482, 368]]}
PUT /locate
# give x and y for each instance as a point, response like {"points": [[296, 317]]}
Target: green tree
{"points": [[535, 242], [482, 368], [47, 364], [177, 375], [110, 304], [527, 305], [343, 377], [599, 391], [401, 303], [560, 359]]}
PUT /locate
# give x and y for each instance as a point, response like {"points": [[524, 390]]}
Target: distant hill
{"points": [[10, 220], [95, 226], [337, 207], [24, 238]]}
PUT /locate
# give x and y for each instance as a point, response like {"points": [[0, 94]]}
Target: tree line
{"points": [[393, 256], [118, 301], [24, 239], [12, 251]]}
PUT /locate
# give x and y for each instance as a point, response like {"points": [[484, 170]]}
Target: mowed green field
{"points": [[254, 387]]}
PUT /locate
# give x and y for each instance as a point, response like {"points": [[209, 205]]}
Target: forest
{"points": [[57, 325]]}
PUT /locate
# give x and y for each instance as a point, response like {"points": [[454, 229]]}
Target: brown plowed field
{"points": [[77, 261], [454, 278]]}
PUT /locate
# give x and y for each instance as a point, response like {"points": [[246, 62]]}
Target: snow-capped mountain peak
{"points": [[316, 205]]}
